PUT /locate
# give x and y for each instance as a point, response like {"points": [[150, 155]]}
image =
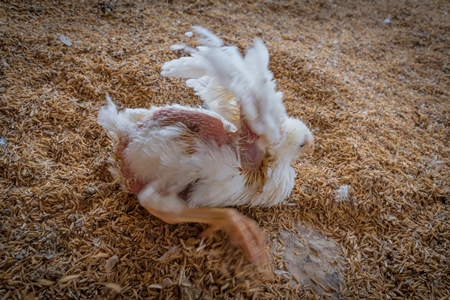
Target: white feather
{"points": [[342, 193], [216, 97], [157, 155], [214, 69], [207, 38], [185, 67], [118, 123]]}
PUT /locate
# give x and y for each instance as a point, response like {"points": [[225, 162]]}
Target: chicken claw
{"points": [[243, 231]]}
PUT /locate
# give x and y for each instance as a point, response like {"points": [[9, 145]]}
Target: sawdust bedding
{"points": [[370, 79]]}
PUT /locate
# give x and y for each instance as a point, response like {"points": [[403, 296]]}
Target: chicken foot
{"points": [[243, 231]]}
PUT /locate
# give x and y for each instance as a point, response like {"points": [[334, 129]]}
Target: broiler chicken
{"points": [[188, 164]]}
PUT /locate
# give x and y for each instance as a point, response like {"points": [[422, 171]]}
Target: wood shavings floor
{"points": [[371, 80]]}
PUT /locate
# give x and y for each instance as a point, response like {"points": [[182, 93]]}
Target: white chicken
{"points": [[186, 164]]}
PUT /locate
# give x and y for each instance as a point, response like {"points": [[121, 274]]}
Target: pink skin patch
{"points": [[251, 153], [204, 126], [134, 185]]}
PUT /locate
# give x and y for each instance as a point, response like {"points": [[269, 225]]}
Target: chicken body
{"points": [[192, 152], [185, 164]]}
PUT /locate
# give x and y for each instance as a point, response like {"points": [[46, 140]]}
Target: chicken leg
{"points": [[243, 231]]}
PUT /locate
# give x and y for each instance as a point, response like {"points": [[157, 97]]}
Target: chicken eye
{"points": [[302, 145]]}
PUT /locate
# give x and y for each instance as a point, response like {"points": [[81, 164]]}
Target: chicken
{"points": [[189, 164]]}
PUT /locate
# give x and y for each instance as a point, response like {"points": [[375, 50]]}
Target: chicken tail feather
{"points": [[117, 122], [108, 116]]}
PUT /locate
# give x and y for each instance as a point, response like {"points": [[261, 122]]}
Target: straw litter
{"points": [[375, 92]]}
